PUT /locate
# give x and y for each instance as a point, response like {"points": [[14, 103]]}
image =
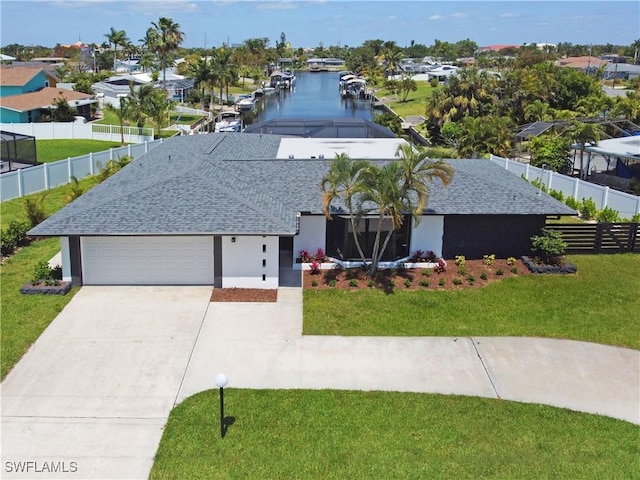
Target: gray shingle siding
{"points": [[232, 184]]}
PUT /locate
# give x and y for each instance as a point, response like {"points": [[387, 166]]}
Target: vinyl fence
{"points": [[49, 175], [91, 131], [626, 204]]}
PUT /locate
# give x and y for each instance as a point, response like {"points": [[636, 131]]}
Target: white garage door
{"points": [[147, 260]]}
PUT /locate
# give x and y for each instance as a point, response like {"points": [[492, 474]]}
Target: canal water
{"points": [[315, 95]]}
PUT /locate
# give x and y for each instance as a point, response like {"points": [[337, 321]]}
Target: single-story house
{"points": [[229, 209]]}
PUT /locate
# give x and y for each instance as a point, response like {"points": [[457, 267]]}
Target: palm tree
{"points": [[389, 191], [164, 37], [583, 133], [116, 37], [343, 182], [200, 72]]}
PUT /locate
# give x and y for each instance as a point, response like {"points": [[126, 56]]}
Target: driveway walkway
{"points": [[98, 385]]}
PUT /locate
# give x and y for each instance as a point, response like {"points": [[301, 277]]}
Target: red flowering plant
{"points": [[441, 265], [314, 267], [320, 256], [304, 255]]}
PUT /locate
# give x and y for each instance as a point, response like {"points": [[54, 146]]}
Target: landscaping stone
{"points": [[42, 289], [535, 267]]}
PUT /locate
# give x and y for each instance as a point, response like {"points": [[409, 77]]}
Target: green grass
{"points": [[599, 304], [363, 435], [54, 150], [416, 103], [24, 317], [54, 200]]}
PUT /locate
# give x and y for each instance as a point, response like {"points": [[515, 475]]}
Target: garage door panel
{"points": [[147, 260]]}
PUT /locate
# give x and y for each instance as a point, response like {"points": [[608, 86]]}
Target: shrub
{"points": [[460, 260], [14, 236], [418, 256], [424, 283], [41, 273], [514, 270], [304, 256], [430, 256], [549, 245], [427, 272], [407, 282], [457, 281], [489, 259], [499, 272], [511, 261], [320, 256], [34, 208], [608, 215], [441, 265], [442, 282], [371, 284], [75, 190], [314, 283], [353, 282], [462, 270], [557, 194], [112, 167], [391, 283], [471, 279], [588, 209], [314, 268], [483, 275], [332, 283], [572, 203]]}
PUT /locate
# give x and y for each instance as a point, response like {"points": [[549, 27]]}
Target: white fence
{"points": [[625, 204], [193, 111], [91, 131], [49, 175]]}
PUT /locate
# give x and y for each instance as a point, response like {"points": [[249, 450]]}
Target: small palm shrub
{"points": [[499, 272], [457, 281], [34, 208], [588, 209], [424, 283], [353, 282], [407, 282], [442, 282], [484, 275]]}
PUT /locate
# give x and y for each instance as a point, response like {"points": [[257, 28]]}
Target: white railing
{"points": [[92, 131], [49, 175], [193, 111], [625, 204]]}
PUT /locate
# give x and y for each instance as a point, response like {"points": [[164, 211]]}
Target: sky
{"points": [[311, 23]]}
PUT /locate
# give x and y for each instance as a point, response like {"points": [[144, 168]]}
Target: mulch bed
{"points": [[244, 295], [453, 277]]}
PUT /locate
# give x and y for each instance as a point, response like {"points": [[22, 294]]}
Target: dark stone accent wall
{"points": [[503, 235], [75, 257]]}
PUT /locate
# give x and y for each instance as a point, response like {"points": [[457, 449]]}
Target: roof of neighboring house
{"points": [[238, 184], [11, 76], [625, 147], [581, 62], [44, 98], [347, 127]]}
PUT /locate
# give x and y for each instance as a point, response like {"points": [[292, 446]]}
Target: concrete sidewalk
{"points": [[93, 393], [261, 346]]}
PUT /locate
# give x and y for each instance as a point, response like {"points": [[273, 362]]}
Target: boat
{"points": [[355, 88], [245, 103], [282, 79], [229, 120]]}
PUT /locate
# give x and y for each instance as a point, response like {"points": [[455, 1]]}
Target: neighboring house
{"points": [[587, 64], [229, 210], [621, 71], [27, 92]]}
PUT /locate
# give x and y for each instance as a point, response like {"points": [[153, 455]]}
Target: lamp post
{"points": [[221, 381]]}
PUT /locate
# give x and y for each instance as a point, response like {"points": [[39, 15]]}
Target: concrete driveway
{"points": [[96, 389], [93, 393]]}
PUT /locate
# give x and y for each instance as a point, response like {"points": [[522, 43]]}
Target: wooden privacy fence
{"points": [[599, 237]]}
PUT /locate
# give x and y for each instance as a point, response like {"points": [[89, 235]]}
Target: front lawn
{"points": [[54, 150], [416, 103], [351, 435], [25, 317], [600, 304]]}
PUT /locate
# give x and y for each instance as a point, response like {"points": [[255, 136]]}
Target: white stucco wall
{"points": [[312, 234], [242, 262], [428, 235], [66, 259]]}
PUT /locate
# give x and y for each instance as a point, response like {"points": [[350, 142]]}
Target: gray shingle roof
{"points": [[233, 184]]}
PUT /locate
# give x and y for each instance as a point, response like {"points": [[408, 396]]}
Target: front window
{"points": [[341, 244]]}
